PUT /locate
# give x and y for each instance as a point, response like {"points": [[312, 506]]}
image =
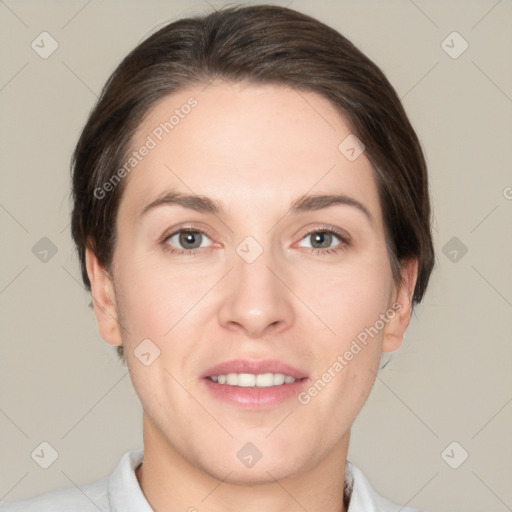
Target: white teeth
{"points": [[246, 380], [232, 379], [278, 379], [249, 380], [265, 380]]}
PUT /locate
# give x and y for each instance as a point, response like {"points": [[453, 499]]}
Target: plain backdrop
{"points": [[445, 395]]}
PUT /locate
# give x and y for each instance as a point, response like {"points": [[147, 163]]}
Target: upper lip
{"points": [[255, 367]]}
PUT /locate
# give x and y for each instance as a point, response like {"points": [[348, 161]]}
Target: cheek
{"points": [[349, 338], [347, 300], [346, 348], [144, 306], [153, 297], [337, 301]]}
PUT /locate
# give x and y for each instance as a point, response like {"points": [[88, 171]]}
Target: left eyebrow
{"points": [[317, 202], [305, 203]]}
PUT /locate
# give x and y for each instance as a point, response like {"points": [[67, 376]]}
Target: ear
{"points": [[402, 306], [103, 298]]}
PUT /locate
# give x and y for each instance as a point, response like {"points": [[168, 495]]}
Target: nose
{"points": [[256, 300]]}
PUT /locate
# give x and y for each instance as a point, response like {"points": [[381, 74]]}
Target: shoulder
{"points": [[364, 498], [90, 497], [118, 491]]}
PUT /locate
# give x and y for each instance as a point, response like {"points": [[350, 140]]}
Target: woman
{"points": [[252, 218]]}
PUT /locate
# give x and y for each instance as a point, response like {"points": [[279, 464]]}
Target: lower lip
{"points": [[256, 398]]}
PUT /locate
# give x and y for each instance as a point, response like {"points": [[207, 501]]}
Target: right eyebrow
{"points": [[305, 203], [193, 202]]}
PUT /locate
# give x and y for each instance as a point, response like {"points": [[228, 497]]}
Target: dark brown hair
{"points": [[258, 44]]}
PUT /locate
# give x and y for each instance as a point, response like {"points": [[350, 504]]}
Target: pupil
{"points": [[188, 237], [324, 239]]}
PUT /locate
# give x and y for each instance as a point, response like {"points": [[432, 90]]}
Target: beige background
{"points": [[452, 379]]}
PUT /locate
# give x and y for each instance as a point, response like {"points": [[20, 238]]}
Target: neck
{"points": [[171, 483]]}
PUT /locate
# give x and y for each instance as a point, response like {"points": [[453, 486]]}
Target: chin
{"points": [[260, 474], [248, 465]]}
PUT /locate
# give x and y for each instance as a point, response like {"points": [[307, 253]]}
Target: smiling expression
{"points": [[248, 245]]}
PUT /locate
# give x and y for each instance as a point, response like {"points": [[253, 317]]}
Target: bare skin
{"points": [[255, 150]]}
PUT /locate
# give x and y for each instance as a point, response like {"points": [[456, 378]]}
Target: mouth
{"points": [[250, 380], [254, 384]]}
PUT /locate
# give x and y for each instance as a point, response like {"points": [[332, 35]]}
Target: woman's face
{"points": [[268, 282]]}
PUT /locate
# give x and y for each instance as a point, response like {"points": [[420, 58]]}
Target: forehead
{"points": [[239, 143]]}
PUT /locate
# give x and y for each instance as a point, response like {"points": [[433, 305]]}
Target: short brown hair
{"points": [[262, 44]]}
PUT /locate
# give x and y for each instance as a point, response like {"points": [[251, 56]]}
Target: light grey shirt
{"points": [[120, 492]]}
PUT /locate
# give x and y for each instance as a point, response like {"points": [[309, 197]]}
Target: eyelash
{"points": [[344, 241]]}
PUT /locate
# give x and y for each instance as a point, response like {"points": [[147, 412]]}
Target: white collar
{"points": [[125, 494]]}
